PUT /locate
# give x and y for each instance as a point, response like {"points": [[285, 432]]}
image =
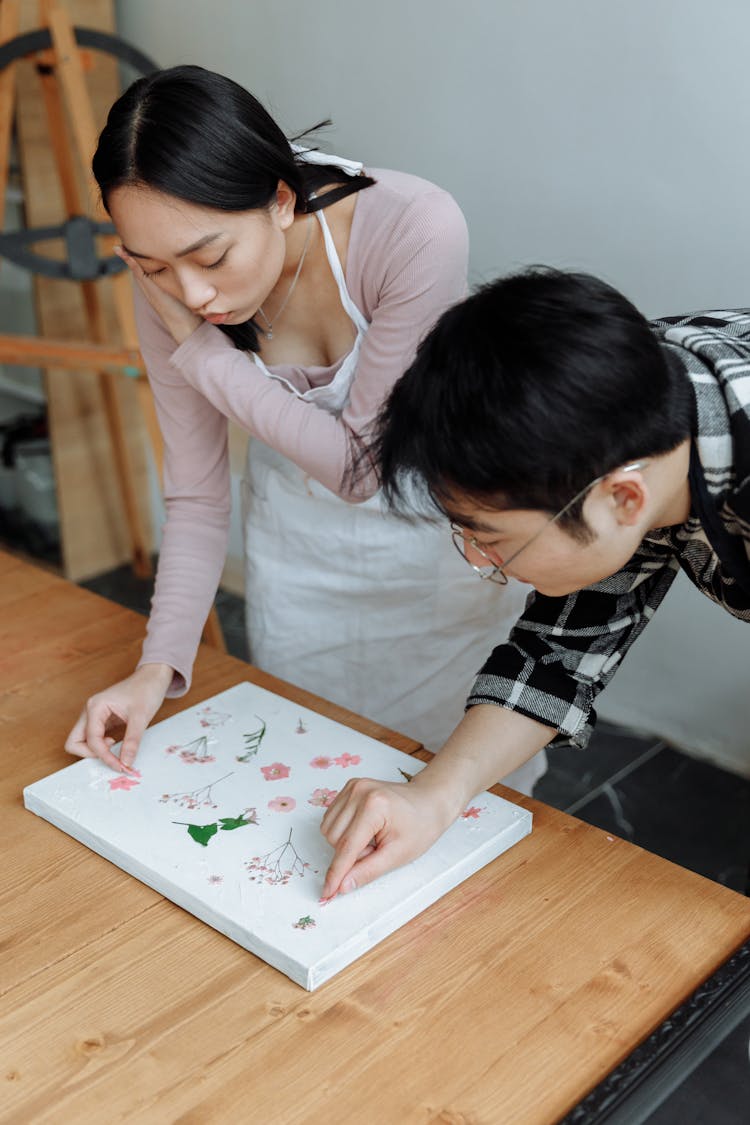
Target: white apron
{"points": [[368, 611]]}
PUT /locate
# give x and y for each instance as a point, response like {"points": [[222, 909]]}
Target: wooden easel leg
{"points": [[66, 73], [61, 73], [8, 30]]}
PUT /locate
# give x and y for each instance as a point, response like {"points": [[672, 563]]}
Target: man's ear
{"points": [[627, 495]]}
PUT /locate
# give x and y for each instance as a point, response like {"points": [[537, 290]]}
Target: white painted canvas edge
{"points": [[312, 972], [361, 943]]}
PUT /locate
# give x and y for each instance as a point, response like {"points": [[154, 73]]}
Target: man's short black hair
{"points": [[527, 391]]}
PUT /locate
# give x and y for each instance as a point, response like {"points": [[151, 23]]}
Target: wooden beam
{"points": [[44, 351]]}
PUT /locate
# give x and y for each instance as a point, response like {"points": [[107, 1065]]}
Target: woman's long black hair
{"points": [[201, 137]]}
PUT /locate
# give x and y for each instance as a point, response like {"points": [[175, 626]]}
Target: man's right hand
{"points": [[374, 826]]}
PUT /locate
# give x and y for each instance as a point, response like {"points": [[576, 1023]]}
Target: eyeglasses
{"points": [[495, 572]]}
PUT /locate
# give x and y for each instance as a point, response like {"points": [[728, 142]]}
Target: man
{"points": [[576, 447]]}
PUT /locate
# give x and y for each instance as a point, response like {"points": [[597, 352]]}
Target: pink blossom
{"points": [[123, 782], [323, 798], [275, 772], [471, 813], [321, 763], [282, 804], [191, 757], [348, 760]]}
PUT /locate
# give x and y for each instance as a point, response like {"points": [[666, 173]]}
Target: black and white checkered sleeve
{"points": [[563, 651]]}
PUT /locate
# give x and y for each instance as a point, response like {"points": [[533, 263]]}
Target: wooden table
{"points": [[505, 1003]]}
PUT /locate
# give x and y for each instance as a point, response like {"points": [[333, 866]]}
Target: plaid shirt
{"points": [[564, 650]]}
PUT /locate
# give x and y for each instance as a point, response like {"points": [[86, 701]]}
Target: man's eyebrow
{"points": [[469, 524], [207, 238]]}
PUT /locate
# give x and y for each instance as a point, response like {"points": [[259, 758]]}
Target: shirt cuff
{"points": [[181, 678], [548, 695]]}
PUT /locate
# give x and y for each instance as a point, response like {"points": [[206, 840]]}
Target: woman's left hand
{"points": [[179, 321]]}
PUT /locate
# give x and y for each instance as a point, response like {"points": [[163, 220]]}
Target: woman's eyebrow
{"points": [[207, 238]]}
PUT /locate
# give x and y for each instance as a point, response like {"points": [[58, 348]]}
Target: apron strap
{"points": [[732, 557], [318, 202]]}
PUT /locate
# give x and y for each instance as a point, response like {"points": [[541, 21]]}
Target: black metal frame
{"points": [[662, 1062], [79, 232]]}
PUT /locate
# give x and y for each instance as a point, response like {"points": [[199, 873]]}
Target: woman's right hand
{"points": [[134, 702]]}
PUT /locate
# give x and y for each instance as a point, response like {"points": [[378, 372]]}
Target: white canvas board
{"points": [[223, 814]]}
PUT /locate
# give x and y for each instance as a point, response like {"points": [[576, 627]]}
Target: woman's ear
{"points": [[284, 204]]}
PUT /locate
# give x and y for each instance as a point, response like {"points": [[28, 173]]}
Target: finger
{"points": [[377, 862], [122, 253], [133, 265], [133, 734], [350, 847], [339, 815], [75, 743], [97, 741], [335, 825]]}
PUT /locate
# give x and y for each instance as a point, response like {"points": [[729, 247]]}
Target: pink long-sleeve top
{"points": [[406, 263]]}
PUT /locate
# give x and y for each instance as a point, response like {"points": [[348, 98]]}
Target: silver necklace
{"points": [[268, 331]]}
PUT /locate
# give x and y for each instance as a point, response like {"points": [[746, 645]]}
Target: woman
{"points": [[286, 290]]}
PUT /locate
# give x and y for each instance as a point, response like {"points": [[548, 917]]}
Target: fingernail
{"points": [[348, 885]]}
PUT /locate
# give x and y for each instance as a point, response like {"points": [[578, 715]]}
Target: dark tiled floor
{"points": [[643, 790]]}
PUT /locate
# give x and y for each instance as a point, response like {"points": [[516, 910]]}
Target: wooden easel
{"points": [[73, 136]]}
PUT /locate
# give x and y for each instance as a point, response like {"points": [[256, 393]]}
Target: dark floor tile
{"points": [[686, 810], [573, 774], [19, 533], [231, 611], [124, 587], [717, 1092]]}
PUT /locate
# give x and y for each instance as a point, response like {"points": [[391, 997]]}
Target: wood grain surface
{"points": [[505, 1002]]}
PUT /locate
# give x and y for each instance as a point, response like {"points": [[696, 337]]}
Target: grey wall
{"points": [[579, 132], [584, 133]]}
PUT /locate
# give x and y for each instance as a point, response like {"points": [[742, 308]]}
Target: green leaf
{"points": [[230, 822], [202, 833]]}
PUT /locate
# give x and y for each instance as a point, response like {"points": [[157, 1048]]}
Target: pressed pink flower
{"points": [[320, 763], [323, 798], [348, 760], [123, 782], [471, 813], [275, 772], [216, 879], [191, 757], [282, 804]]}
